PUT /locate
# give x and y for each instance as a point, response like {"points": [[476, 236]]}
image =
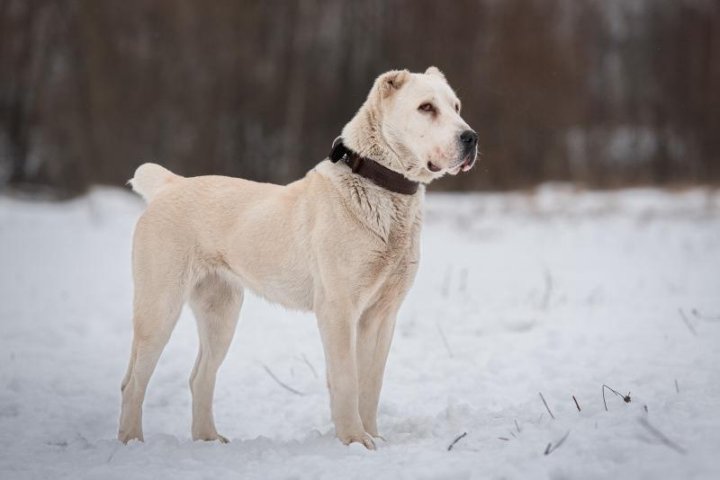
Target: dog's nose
{"points": [[469, 139]]}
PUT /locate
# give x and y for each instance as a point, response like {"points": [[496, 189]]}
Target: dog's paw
{"points": [[374, 434], [363, 438], [211, 438], [128, 436]]}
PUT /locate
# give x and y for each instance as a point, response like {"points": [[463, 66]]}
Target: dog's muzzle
{"points": [[469, 141]]}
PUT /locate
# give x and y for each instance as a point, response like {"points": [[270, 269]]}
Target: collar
{"points": [[372, 170]]}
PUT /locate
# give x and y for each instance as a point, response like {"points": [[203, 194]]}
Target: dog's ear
{"points": [[435, 72], [390, 82]]}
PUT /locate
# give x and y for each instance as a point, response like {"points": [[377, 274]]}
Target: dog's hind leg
{"points": [[160, 286], [216, 303], [153, 324]]}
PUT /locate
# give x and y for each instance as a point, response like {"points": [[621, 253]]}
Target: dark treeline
{"points": [[603, 93]]}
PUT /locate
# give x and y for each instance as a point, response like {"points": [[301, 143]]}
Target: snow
{"points": [[557, 291]]}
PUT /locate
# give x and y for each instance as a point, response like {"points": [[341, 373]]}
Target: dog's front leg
{"points": [[337, 321], [375, 332]]}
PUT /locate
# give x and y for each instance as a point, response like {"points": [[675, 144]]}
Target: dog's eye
{"points": [[457, 107], [427, 107]]}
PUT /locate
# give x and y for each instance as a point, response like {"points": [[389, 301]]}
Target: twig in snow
{"points": [[307, 362], [280, 382], [457, 439], [577, 404], [626, 398], [504, 439], [687, 322], [513, 434], [551, 448], [444, 340], [517, 426], [661, 436], [546, 405], [677, 387]]}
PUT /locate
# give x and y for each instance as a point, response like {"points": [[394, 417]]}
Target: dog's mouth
{"points": [[464, 166], [467, 163], [433, 168]]}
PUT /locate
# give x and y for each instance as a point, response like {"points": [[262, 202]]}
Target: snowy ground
{"points": [[557, 292]]}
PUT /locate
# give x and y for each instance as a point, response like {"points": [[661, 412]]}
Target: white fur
{"points": [[332, 242], [149, 178]]}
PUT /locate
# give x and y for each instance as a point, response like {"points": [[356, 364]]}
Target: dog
{"points": [[342, 242]]}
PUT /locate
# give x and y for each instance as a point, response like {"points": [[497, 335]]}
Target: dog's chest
{"points": [[395, 255], [392, 223]]}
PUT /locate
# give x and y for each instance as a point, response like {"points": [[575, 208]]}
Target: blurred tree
{"points": [[608, 93]]}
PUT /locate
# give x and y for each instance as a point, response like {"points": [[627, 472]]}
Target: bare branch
{"points": [[576, 403]]}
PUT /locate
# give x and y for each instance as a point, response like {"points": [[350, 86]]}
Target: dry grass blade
{"points": [[457, 439], [463, 280], [445, 288], [546, 405], [626, 398], [310, 366], [687, 322], [280, 382], [545, 302], [551, 448], [444, 339], [661, 436]]}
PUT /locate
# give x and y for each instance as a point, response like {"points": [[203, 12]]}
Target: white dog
{"points": [[342, 242]]}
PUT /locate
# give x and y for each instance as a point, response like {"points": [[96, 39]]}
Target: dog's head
{"points": [[417, 118]]}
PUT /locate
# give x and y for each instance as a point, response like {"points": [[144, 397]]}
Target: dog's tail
{"points": [[150, 178]]}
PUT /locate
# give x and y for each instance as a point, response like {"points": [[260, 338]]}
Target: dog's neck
{"points": [[383, 211], [362, 135], [377, 173]]}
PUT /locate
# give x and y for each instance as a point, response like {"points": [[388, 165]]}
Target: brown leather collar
{"points": [[372, 170]]}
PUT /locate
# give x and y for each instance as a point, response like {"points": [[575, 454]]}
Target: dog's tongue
{"points": [[467, 165]]}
